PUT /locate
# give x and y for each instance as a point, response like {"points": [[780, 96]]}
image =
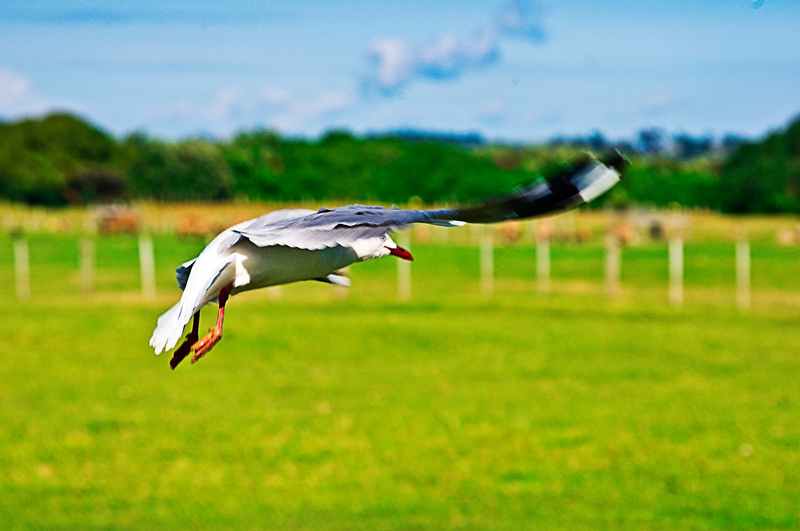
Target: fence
{"points": [[486, 241]]}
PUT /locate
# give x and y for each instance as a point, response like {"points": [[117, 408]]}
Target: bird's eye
{"points": [[383, 238]]}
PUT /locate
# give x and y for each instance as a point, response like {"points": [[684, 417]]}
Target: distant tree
{"points": [[458, 139], [663, 181], [255, 165], [97, 184], [595, 141], [60, 158], [43, 161], [730, 143], [193, 170], [764, 176], [651, 141], [686, 146]]}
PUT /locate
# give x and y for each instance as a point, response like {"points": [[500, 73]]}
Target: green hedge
{"points": [[62, 159]]}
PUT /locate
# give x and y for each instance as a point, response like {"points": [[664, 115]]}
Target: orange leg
{"points": [[186, 347], [207, 342]]}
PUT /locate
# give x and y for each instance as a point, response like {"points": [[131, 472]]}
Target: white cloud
{"points": [[449, 56], [493, 112], [392, 63], [522, 18], [17, 96], [13, 88], [297, 112], [395, 62], [271, 107], [275, 96], [657, 103]]}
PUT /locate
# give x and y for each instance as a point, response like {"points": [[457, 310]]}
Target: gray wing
{"points": [[277, 218], [577, 182], [336, 227], [182, 273]]}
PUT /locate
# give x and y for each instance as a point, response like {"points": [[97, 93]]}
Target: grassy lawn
{"points": [[449, 412]]}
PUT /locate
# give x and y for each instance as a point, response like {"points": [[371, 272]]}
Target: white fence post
{"points": [[743, 274], [87, 266], [22, 269], [543, 265], [613, 265], [147, 267], [487, 261], [404, 268], [676, 271]]}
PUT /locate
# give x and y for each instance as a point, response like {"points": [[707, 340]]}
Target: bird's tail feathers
{"points": [[337, 278], [196, 294], [169, 329]]}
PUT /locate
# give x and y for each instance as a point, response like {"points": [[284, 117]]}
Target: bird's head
{"points": [[379, 246]]}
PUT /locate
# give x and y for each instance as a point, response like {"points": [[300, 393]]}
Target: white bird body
{"points": [[260, 267], [246, 266], [294, 245]]}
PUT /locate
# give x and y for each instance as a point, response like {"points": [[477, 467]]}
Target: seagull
{"points": [[298, 244]]}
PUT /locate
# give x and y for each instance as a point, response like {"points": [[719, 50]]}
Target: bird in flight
{"points": [[293, 245]]}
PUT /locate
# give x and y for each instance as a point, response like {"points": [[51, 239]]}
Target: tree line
{"points": [[61, 159]]}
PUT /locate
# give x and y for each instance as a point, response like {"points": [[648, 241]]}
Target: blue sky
{"points": [[522, 70]]}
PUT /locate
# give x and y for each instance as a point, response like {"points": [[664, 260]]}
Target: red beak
{"points": [[399, 252]]}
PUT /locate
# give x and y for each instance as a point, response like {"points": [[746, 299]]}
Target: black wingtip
{"points": [[565, 185]]}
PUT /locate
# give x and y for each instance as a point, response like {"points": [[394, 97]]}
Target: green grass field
{"points": [[452, 411]]}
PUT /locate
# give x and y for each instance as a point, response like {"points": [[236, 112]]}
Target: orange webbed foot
{"points": [[206, 343]]}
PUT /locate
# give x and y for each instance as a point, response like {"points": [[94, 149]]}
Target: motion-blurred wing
{"points": [[578, 183]]}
